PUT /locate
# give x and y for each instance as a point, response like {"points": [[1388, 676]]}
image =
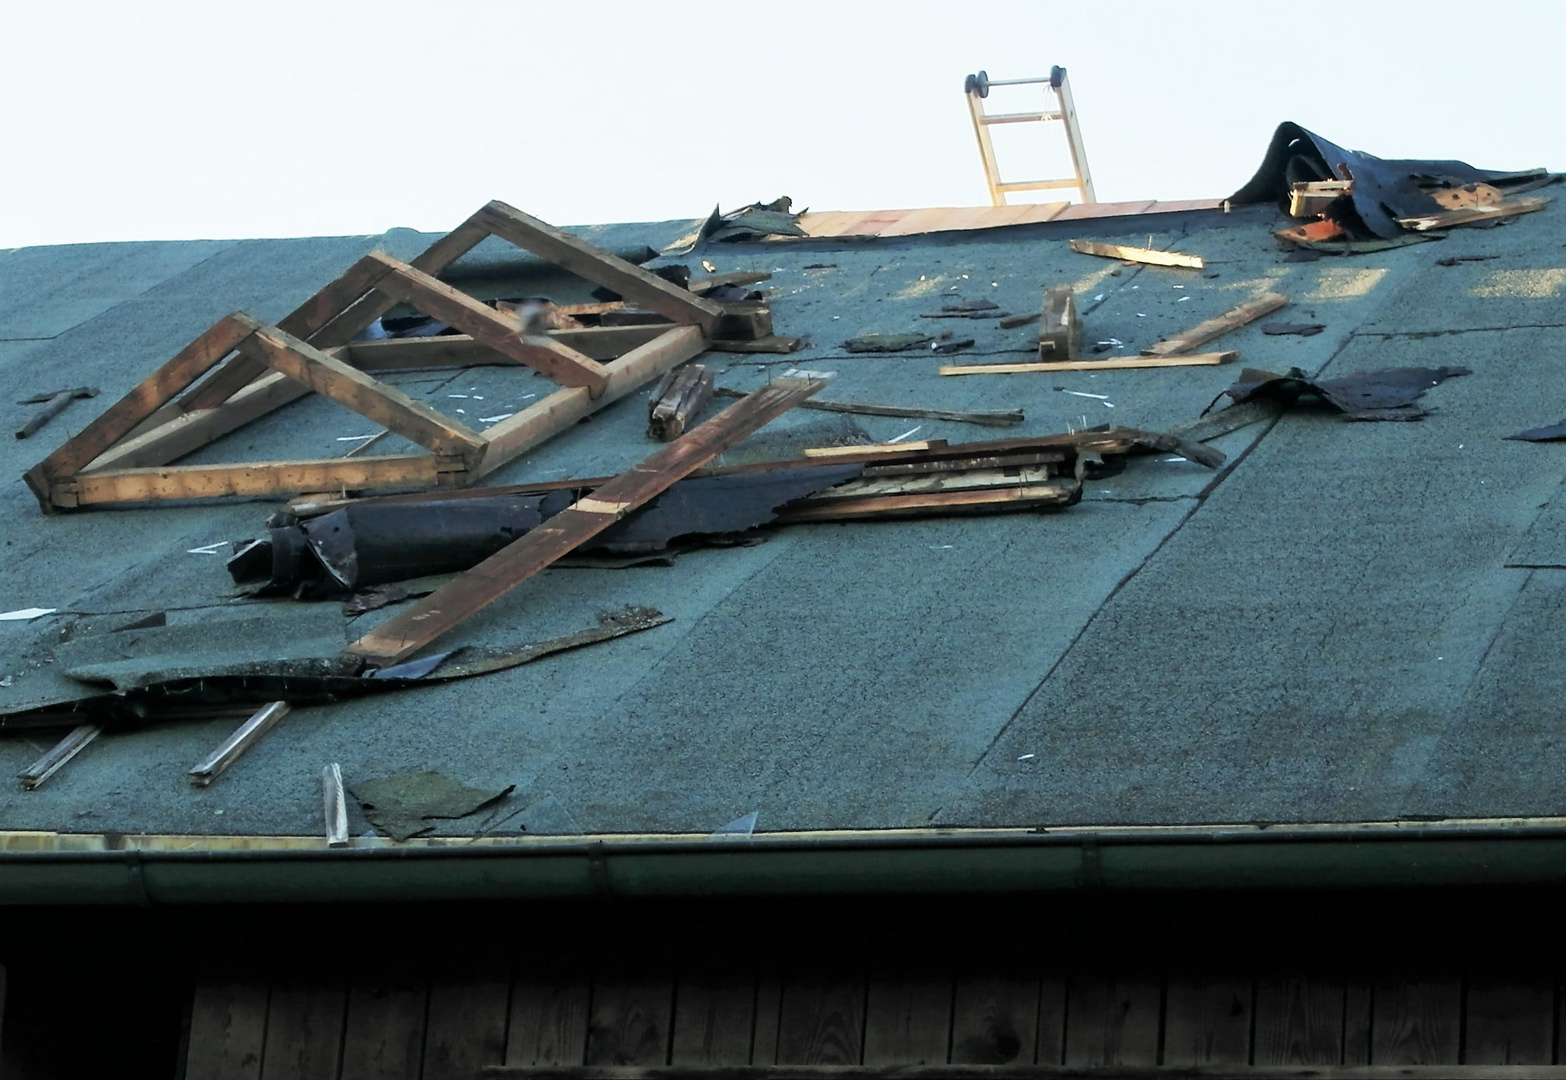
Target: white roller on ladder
{"points": [[977, 88]]}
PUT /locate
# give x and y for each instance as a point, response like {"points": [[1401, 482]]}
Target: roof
{"points": [[1326, 630]]}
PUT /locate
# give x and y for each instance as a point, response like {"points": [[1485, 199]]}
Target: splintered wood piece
{"points": [[244, 737], [1312, 197], [679, 396], [266, 478], [984, 417], [406, 633], [600, 267], [870, 450], [1520, 204], [1139, 255], [502, 333], [193, 361], [349, 386], [1204, 332], [63, 751], [1186, 360], [335, 805], [936, 480], [515, 435], [702, 286], [1060, 330], [463, 350]]}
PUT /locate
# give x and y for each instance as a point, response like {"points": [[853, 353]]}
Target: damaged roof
{"points": [[1330, 628]]}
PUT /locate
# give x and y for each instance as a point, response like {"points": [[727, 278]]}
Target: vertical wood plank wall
{"points": [[1148, 980]]}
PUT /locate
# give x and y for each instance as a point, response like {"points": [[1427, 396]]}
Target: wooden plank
{"points": [[1204, 332], [1113, 364], [995, 1018], [1208, 992], [262, 478], [598, 266], [461, 350], [676, 400], [983, 417], [1417, 1007], [550, 989], [383, 1035], [411, 630], [347, 385], [334, 805], [716, 996], [502, 333], [1445, 219], [1114, 993], [544, 419], [1036, 1072], [227, 1031], [1060, 328], [468, 1008], [1300, 986], [304, 1030], [1509, 1003], [939, 480], [185, 368], [630, 1020], [871, 451], [244, 737], [1148, 256], [701, 286], [908, 1005], [55, 759]]}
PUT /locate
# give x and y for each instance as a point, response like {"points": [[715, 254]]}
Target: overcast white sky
{"points": [[164, 120]]}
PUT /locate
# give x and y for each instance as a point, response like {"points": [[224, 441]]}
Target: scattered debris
{"points": [[707, 286], [1550, 433], [25, 614], [405, 805], [54, 403], [984, 417], [243, 738], [676, 400], [1368, 395], [1139, 255], [63, 751], [1204, 332], [1060, 328], [886, 343], [1282, 329], [1453, 260]]}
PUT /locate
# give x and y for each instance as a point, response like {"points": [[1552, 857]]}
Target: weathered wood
{"points": [[227, 1031], [1055, 493], [1204, 332], [272, 478], [984, 417], [678, 397], [767, 343], [186, 367], [499, 332], [52, 407], [821, 1020], [1112, 364], [1149, 256], [1300, 982], [383, 1035], [995, 1019], [57, 756], [714, 1017], [1060, 327], [304, 1030], [244, 737], [334, 805], [872, 450], [550, 989], [347, 385], [1208, 994], [546, 418], [598, 266], [936, 480], [1445, 219], [406, 633], [702, 286], [468, 1011], [1509, 1000], [1312, 197], [1013, 322], [461, 350], [1417, 1007], [1037, 1072]]}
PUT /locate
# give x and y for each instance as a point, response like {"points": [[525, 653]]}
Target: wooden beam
{"points": [[679, 396], [1148, 256], [1445, 219], [546, 418], [1204, 332], [601, 268], [461, 350], [1312, 197], [266, 478], [193, 361], [244, 737], [63, 751], [502, 333], [1019, 496], [347, 385], [448, 606], [1119, 362], [1060, 328], [335, 805]]}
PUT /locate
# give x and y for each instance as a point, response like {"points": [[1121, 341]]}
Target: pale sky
{"points": [[164, 120]]}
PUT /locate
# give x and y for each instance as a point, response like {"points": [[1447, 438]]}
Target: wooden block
{"points": [[406, 633], [1139, 255], [1313, 197], [1204, 332], [1115, 364], [244, 737], [679, 396], [63, 751], [502, 333], [347, 385], [601, 268], [335, 805], [1060, 329]]}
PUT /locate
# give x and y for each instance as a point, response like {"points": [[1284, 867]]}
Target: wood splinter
{"points": [[676, 400], [1060, 328]]}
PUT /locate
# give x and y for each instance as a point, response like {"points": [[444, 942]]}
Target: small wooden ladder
{"points": [[977, 88]]}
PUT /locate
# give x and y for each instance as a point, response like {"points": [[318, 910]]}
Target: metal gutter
{"points": [[48, 868]]}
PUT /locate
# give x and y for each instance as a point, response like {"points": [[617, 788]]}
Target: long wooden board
{"points": [[405, 634], [1202, 333], [262, 478], [1148, 256], [1445, 219], [1117, 363]]}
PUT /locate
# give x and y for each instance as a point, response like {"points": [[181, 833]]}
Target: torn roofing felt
{"points": [[1384, 190], [1391, 394]]}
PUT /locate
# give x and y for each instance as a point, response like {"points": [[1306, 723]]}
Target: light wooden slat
{"points": [[264, 478], [598, 266], [908, 1005], [550, 991], [498, 332], [406, 633], [1114, 364], [1148, 256], [1521, 204], [1036, 1072], [58, 756], [347, 385], [995, 1019], [461, 350], [1204, 332], [1509, 1003], [1418, 992], [244, 737], [1208, 994]]}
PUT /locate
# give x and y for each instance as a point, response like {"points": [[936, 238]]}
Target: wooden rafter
{"points": [[242, 369]]}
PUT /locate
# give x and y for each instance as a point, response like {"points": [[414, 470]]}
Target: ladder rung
{"points": [[1037, 185], [1020, 117]]}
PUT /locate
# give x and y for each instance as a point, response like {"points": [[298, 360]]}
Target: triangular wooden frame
{"points": [[242, 369]]}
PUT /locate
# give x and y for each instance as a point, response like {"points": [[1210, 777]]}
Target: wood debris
{"points": [[678, 397], [58, 756], [1111, 364], [244, 737], [1147, 256], [1204, 332]]}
